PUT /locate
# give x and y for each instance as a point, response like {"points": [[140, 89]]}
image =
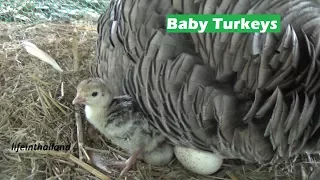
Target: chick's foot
{"points": [[126, 165]]}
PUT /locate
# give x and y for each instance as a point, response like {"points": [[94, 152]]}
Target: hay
{"points": [[34, 109]]}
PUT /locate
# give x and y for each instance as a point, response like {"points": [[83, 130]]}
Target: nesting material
{"points": [[35, 99]]}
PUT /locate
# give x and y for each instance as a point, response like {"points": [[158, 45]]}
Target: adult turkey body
{"points": [[248, 96]]}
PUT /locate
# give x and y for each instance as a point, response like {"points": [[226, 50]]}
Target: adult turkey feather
{"points": [[250, 96]]}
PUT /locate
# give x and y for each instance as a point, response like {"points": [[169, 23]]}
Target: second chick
{"points": [[121, 121]]}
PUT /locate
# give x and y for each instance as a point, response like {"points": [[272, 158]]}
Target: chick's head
{"points": [[92, 92]]}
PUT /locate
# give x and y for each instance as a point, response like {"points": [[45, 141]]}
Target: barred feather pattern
{"points": [[126, 126], [250, 96]]}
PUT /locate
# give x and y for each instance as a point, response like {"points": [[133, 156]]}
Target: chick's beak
{"points": [[78, 99]]}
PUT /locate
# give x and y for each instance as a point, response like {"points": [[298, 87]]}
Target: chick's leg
{"points": [[101, 162], [128, 163]]}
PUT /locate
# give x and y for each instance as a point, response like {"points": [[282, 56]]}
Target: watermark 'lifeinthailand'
{"points": [[35, 147], [242, 23]]}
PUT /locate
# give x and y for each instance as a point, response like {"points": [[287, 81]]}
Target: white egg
{"points": [[198, 161]]}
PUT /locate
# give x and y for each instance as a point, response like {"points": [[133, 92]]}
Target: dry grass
{"points": [[33, 110]]}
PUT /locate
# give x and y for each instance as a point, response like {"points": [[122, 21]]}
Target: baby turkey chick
{"points": [[120, 120]]}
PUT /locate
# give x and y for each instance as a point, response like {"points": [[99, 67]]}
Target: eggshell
{"points": [[198, 161]]}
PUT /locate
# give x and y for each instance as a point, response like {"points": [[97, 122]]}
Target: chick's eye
{"points": [[94, 94]]}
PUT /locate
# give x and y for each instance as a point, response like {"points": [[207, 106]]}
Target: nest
{"points": [[35, 107]]}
